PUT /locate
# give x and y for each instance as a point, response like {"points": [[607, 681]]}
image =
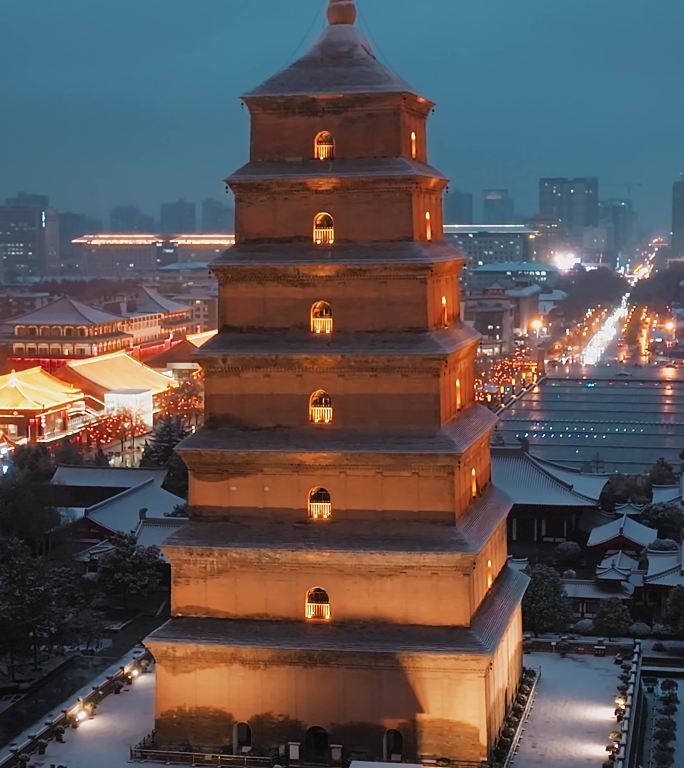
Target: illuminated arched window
{"points": [[317, 605], [445, 312], [324, 229], [473, 483], [320, 504], [320, 407], [324, 146], [321, 317], [414, 145], [490, 577], [459, 399], [428, 226]]}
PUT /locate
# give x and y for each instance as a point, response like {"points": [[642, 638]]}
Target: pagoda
{"points": [[341, 588]]}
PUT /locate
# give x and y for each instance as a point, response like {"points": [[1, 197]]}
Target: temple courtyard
{"points": [[568, 726]]}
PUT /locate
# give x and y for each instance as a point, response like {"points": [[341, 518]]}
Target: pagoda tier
{"points": [[343, 579]]}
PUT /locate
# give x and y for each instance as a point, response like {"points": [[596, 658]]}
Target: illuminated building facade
{"points": [[342, 586]]}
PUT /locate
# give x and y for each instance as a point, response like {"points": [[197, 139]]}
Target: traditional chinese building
{"points": [[342, 585]]}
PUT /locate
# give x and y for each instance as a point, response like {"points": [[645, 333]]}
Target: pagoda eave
{"points": [[480, 639]]}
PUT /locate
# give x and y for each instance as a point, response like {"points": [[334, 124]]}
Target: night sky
{"points": [[106, 102]]}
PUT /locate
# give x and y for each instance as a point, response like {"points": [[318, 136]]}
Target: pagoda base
{"points": [[446, 690]]}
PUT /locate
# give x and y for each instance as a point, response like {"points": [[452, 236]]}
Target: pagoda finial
{"points": [[341, 12]]}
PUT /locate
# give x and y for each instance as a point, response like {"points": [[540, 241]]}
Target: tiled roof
{"points": [[528, 483], [341, 168], [665, 493], [586, 589], [118, 370], [622, 527], [340, 62], [64, 311], [149, 300], [665, 569], [107, 477], [616, 567], [153, 533], [122, 512], [311, 256], [480, 639], [585, 484], [454, 438], [35, 389], [438, 342]]}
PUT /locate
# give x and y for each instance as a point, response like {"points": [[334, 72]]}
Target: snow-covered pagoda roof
{"points": [[622, 528], [665, 568], [341, 61], [616, 567]]}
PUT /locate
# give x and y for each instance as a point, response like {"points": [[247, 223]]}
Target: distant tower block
{"points": [[343, 578]]}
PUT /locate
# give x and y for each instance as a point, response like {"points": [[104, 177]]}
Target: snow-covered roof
{"points": [[665, 493], [121, 513], [584, 483], [341, 61], [107, 477], [587, 589], [64, 311], [622, 527], [153, 533], [665, 569], [149, 300], [526, 482], [616, 567], [629, 509]]}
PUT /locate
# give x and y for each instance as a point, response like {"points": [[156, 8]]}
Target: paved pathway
{"points": [[573, 712]]}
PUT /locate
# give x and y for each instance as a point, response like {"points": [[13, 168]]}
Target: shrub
{"points": [[583, 627], [668, 709], [658, 646], [639, 629], [665, 734], [669, 685], [670, 698], [666, 722], [568, 552]]}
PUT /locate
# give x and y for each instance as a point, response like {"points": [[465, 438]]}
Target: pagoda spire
{"points": [[341, 12]]}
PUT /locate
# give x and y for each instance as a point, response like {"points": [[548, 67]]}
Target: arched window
{"points": [[317, 605], [393, 746], [320, 407], [490, 578], [428, 225], [445, 312], [32, 331], [324, 146], [320, 504], [56, 331], [323, 229], [45, 331], [68, 331], [473, 483], [414, 145], [316, 745], [242, 739], [321, 317], [459, 401]]}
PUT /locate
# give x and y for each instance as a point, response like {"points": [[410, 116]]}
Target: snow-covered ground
{"points": [[572, 714], [121, 721]]}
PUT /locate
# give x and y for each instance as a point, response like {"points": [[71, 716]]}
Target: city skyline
{"points": [[512, 91]]}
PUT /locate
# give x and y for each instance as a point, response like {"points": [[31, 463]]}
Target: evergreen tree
{"points": [[69, 454], [130, 569], [612, 618], [667, 517], [661, 473], [99, 458], [160, 452], [546, 607]]}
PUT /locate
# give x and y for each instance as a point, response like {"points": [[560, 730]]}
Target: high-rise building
{"points": [[617, 218], [497, 207], [343, 584], [458, 207], [217, 216], [28, 200], [180, 216], [678, 219], [29, 240], [129, 218], [574, 203], [71, 226]]}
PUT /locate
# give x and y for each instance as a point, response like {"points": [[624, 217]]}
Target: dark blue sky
{"points": [[137, 101]]}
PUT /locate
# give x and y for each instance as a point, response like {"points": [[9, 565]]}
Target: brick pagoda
{"points": [[341, 588]]}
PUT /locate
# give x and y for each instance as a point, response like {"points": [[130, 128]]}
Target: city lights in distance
{"points": [[565, 261]]}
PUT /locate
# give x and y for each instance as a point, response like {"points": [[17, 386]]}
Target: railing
{"points": [[318, 611], [631, 720], [322, 325], [324, 235], [321, 414], [508, 763], [325, 151], [167, 756], [320, 510]]}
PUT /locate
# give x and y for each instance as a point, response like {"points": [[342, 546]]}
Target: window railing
{"points": [[321, 414], [318, 611], [322, 324], [325, 151], [320, 510], [324, 235]]}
